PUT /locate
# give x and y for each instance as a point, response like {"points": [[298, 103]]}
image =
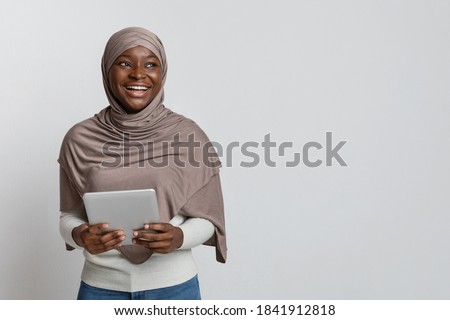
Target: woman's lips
{"points": [[137, 91]]}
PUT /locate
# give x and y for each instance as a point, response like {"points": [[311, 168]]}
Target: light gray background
{"points": [[375, 73]]}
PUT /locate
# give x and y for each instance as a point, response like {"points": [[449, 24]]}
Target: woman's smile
{"points": [[138, 91]]}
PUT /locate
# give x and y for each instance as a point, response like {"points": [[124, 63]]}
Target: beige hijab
{"points": [[118, 151]]}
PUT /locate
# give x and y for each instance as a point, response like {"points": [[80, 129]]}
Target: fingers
{"points": [[159, 227], [150, 236], [99, 247], [98, 228], [155, 232], [98, 239], [156, 246], [159, 237]]}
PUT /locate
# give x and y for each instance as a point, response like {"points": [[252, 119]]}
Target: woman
{"points": [[138, 143]]}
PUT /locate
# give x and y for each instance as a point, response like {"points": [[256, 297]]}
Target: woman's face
{"points": [[135, 78]]}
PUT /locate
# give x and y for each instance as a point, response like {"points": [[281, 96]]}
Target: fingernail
{"points": [[135, 233], [146, 226], [134, 241]]}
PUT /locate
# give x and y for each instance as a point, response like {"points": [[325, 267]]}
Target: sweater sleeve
{"points": [[68, 221], [196, 231]]}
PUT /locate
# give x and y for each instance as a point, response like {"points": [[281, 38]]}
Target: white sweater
{"points": [[109, 270]]}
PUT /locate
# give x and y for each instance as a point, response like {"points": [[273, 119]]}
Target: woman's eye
{"points": [[124, 64], [150, 65]]}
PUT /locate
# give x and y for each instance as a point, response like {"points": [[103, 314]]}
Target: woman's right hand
{"points": [[95, 240]]}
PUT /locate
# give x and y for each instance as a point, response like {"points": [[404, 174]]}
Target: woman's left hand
{"points": [[165, 237]]}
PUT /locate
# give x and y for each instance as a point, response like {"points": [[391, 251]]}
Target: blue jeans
{"points": [[188, 290]]}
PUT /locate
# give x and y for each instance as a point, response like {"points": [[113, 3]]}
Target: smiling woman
{"points": [[159, 264], [136, 78]]}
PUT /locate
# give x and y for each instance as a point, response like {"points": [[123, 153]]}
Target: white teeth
{"points": [[137, 88]]}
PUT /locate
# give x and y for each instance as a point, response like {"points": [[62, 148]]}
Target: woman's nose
{"points": [[137, 73]]}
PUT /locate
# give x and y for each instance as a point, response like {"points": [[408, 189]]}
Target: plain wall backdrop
{"points": [[374, 73]]}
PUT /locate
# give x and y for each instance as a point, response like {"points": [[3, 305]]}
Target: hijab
{"points": [[154, 148]]}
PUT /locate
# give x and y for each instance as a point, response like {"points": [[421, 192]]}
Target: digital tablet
{"points": [[127, 210]]}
